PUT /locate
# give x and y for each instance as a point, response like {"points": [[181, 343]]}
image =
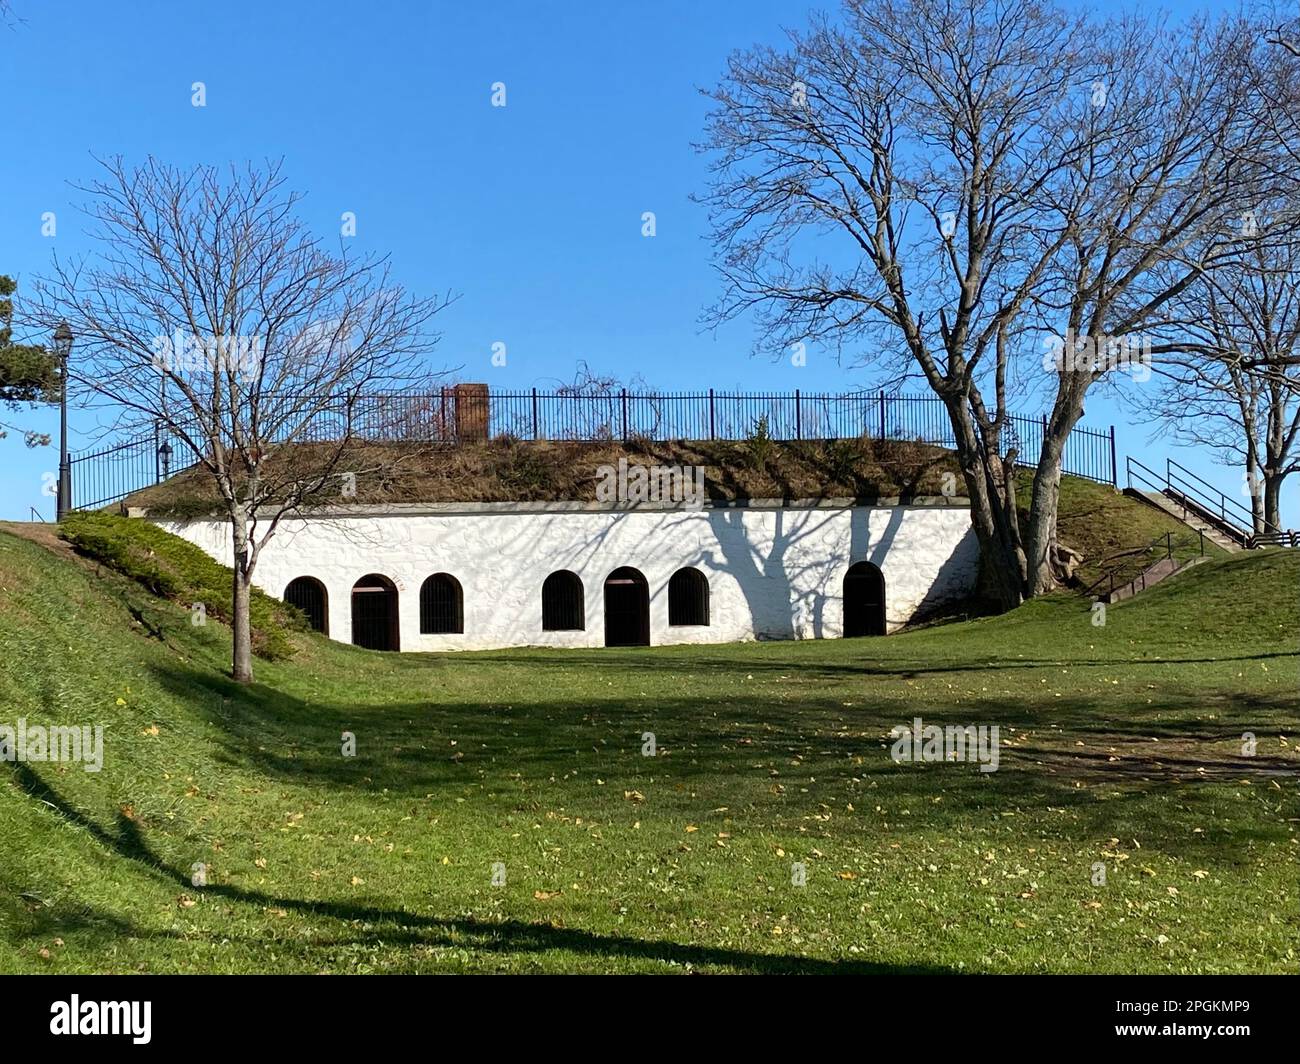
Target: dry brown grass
{"points": [[509, 470]]}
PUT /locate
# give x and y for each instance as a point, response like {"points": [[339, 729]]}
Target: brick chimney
{"points": [[471, 412]]}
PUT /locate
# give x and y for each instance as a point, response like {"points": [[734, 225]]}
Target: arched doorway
{"points": [[309, 595], [627, 609], [864, 600], [374, 613]]}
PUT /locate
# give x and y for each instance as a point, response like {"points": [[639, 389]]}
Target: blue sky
{"points": [[531, 212]]}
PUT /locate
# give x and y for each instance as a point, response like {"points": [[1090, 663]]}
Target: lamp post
{"points": [[63, 348], [165, 458]]}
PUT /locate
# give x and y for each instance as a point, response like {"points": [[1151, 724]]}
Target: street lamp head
{"points": [[63, 339]]}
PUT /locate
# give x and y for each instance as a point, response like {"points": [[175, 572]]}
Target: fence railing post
{"points": [[712, 428], [535, 436], [882, 415], [624, 396], [798, 417], [1114, 466]]}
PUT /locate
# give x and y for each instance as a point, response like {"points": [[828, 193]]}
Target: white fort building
{"points": [[474, 576], [653, 555]]}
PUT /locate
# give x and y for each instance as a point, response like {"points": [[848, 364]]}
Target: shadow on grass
{"points": [[756, 755], [670, 660], [400, 926]]}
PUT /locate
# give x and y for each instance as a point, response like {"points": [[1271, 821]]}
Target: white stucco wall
{"points": [[774, 571]]}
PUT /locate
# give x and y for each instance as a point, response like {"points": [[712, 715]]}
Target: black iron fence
{"points": [[106, 474]]}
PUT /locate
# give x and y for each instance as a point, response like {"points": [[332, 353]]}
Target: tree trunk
{"points": [[1256, 488], [242, 655], [1040, 536], [1273, 500], [1001, 556]]}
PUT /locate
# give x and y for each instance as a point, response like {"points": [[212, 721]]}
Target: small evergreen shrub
{"points": [[760, 448]]}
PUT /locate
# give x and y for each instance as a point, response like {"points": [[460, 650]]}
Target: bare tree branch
{"points": [[210, 311]]}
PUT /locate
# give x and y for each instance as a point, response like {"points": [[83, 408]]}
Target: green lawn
{"points": [[1121, 745]]}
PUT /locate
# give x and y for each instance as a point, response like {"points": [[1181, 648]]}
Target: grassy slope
{"points": [[1121, 745], [1099, 522]]}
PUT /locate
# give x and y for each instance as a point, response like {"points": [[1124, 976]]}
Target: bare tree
{"points": [[1282, 26], [1229, 343], [211, 312], [1227, 361], [991, 168], [925, 135], [1166, 195]]}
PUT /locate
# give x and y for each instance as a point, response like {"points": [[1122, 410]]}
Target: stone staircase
{"points": [[1149, 577], [1202, 507], [1229, 539], [1214, 518]]}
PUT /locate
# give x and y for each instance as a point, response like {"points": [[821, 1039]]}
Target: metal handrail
{"points": [[1208, 496], [1190, 488], [1283, 538], [1151, 477], [1167, 539]]}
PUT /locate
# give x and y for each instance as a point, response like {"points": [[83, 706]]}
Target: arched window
{"points": [[688, 598], [374, 613], [864, 600], [309, 595], [562, 606], [441, 608]]}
